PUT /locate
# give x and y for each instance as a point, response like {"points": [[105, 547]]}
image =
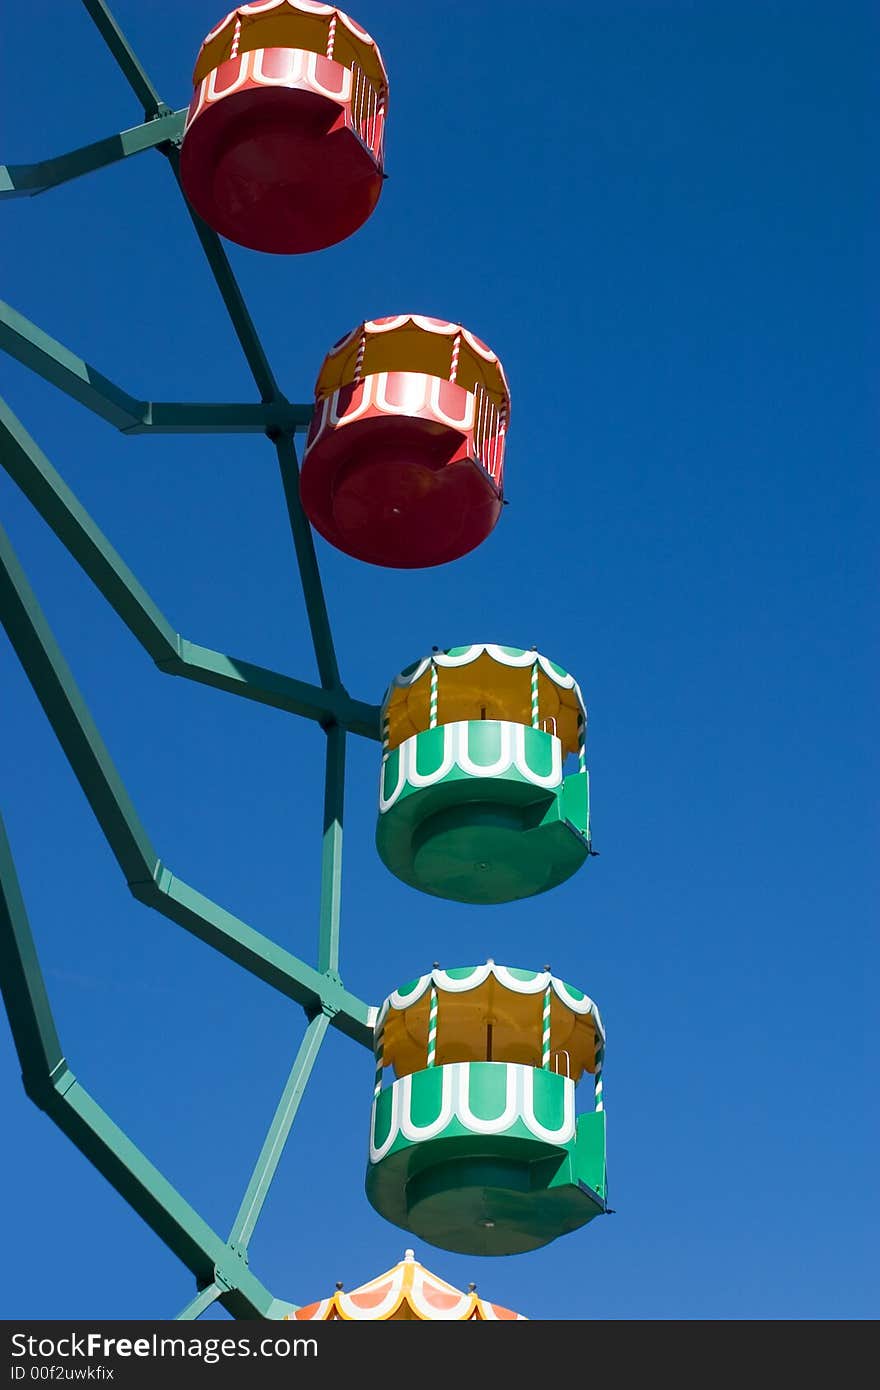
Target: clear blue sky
{"points": [[662, 216]]}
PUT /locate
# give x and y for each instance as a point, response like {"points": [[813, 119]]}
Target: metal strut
{"points": [[220, 1267]]}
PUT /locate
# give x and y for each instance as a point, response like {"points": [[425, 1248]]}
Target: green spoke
{"points": [[230, 292], [56, 503], [26, 180], [126, 58], [53, 1087], [276, 1138], [220, 1267], [331, 850], [149, 880], [200, 1304], [307, 560]]}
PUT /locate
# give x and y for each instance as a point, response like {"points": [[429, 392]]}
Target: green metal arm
{"points": [[220, 1267], [46, 490], [242, 323], [127, 59], [26, 180], [307, 562], [149, 880], [62, 368], [270, 1154], [154, 106], [52, 1086], [331, 852], [99, 394]]}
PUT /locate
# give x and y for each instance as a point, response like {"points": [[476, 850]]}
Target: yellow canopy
{"points": [[292, 24], [414, 343], [474, 1000], [485, 682]]}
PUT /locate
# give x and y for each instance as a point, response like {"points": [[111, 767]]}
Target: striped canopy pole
{"points": [[380, 1061], [456, 350], [600, 1058], [582, 743], [535, 695], [432, 1028], [386, 734], [361, 354], [432, 716], [545, 1029]]}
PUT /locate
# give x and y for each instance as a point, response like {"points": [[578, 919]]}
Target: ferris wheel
{"points": [[474, 1139]]}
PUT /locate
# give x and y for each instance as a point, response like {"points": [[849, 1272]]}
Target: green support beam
{"points": [[126, 58], [206, 417], [276, 1138], [26, 180], [307, 561], [46, 490], [257, 954], [327, 707], [69, 717], [149, 880], [230, 292], [153, 1197], [331, 851], [21, 982], [227, 284], [200, 1304], [220, 1268], [63, 369], [52, 1086]]}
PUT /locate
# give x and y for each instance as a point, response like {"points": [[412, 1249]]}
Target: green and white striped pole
{"points": [[432, 1027], [600, 1057], [380, 1061], [535, 695], [582, 743], [545, 1028], [432, 717], [386, 733]]}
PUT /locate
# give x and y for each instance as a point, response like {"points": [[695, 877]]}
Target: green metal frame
{"points": [[220, 1266]]}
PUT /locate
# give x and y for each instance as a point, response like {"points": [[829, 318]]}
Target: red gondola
{"points": [[284, 143], [405, 455]]}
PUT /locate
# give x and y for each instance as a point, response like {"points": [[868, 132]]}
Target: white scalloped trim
{"points": [[456, 752], [476, 650], [305, 7], [455, 1104], [480, 973], [428, 325]]}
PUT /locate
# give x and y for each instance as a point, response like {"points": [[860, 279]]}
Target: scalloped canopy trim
{"points": [[308, 7], [505, 656], [427, 324], [408, 1285], [464, 978], [423, 321]]}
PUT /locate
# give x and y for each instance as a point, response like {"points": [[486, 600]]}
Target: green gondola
{"points": [[475, 1146], [475, 800]]}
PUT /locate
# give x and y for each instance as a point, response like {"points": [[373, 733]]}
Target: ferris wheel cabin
{"points": [[475, 1145], [475, 802], [404, 461], [283, 149]]}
